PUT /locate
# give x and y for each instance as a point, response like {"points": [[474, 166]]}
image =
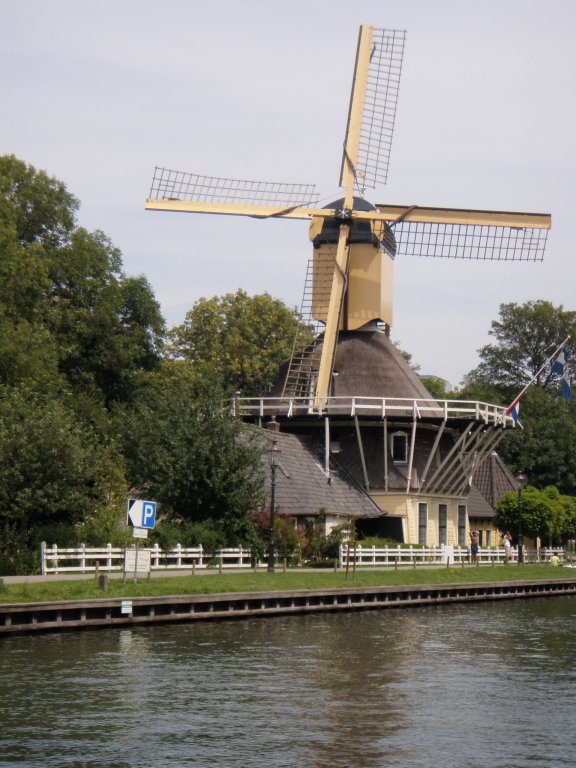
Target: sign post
{"points": [[141, 515]]}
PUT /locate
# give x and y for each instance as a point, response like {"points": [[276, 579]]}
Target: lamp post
{"points": [[521, 480], [274, 459]]}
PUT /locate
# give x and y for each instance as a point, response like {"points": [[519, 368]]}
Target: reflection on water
{"points": [[485, 686]]}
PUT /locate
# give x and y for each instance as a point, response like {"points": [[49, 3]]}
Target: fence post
{"points": [[109, 556], [82, 557], [55, 557]]}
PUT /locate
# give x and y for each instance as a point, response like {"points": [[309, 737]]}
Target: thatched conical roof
{"points": [[367, 364]]}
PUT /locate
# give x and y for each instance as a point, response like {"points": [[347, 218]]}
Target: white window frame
{"points": [[462, 518], [442, 528], [393, 437], [422, 526]]}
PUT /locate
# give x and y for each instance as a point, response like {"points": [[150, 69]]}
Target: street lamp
{"points": [[274, 459], [521, 480]]}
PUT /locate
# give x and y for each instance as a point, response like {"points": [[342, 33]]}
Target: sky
{"points": [[98, 93]]}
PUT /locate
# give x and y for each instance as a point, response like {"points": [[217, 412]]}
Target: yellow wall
{"points": [[406, 507]]}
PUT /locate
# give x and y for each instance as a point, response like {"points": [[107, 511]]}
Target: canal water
{"points": [[491, 685]]}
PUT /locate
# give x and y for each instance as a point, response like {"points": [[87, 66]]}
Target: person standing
{"points": [[507, 541], [474, 543]]}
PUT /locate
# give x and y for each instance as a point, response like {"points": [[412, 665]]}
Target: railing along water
{"points": [[403, 555], [82, 559]]}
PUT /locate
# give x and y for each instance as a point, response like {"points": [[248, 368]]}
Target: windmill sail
{"points": [[380, 97], [467, 234]]}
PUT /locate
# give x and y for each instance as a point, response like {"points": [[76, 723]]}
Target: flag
{"points": [[514, 410], [559, 366]]}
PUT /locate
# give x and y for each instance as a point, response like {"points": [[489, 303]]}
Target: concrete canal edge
{"points": [[137, 611]]}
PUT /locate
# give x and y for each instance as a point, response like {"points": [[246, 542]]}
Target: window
{"points": [[399, 447], [443, 524], [461, 525], [422, 522], [488, 538]]}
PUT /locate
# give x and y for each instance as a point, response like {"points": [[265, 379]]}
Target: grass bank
{"points": [[266, 582]]}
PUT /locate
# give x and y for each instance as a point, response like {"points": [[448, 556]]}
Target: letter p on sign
{"points": [[148, 514]]}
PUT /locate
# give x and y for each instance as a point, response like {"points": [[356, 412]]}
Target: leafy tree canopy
{"points": [[190, 454], [244, 338], [54, 469], [544, 447], [546, 514], [526, 335], [69, 317]]}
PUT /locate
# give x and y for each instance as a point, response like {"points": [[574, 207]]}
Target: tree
{"points": [[54, 469], [545, 514], [526, 336], [76, 338], [544, 446], [189, 454], [37, 208], [107, 326], [64, 299], [244, 339]]}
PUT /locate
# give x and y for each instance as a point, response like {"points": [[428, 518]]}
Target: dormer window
{"points": [[399, 447]]}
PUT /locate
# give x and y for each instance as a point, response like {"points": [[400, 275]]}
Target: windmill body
{"points": [[368, 291], [415, 456]]}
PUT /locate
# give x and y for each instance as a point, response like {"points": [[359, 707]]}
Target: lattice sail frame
{"points": [[178, 185], [379, 110], [469, 241]]}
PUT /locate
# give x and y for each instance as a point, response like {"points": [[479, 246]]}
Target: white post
{"points": [[155, 554], [43, 558]]}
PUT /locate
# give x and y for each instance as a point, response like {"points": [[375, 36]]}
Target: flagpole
{"points": [[533, 379]]}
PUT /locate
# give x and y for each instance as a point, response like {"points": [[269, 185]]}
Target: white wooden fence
{"points": [[403, 555], [82, 559]]}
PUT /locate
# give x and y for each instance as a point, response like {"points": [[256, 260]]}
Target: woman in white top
{"points": [[507, 541]]}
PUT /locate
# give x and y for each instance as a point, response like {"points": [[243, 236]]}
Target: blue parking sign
{"points": [[148, 514]]}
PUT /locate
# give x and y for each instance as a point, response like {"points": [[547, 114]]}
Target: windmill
{"points": [[349, 282], [413, 455]]}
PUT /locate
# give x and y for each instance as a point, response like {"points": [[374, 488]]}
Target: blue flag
{"points": [[559, 366]]}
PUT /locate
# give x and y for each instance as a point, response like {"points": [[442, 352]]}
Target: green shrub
{"points": [[378, 542], [20, 563]]}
